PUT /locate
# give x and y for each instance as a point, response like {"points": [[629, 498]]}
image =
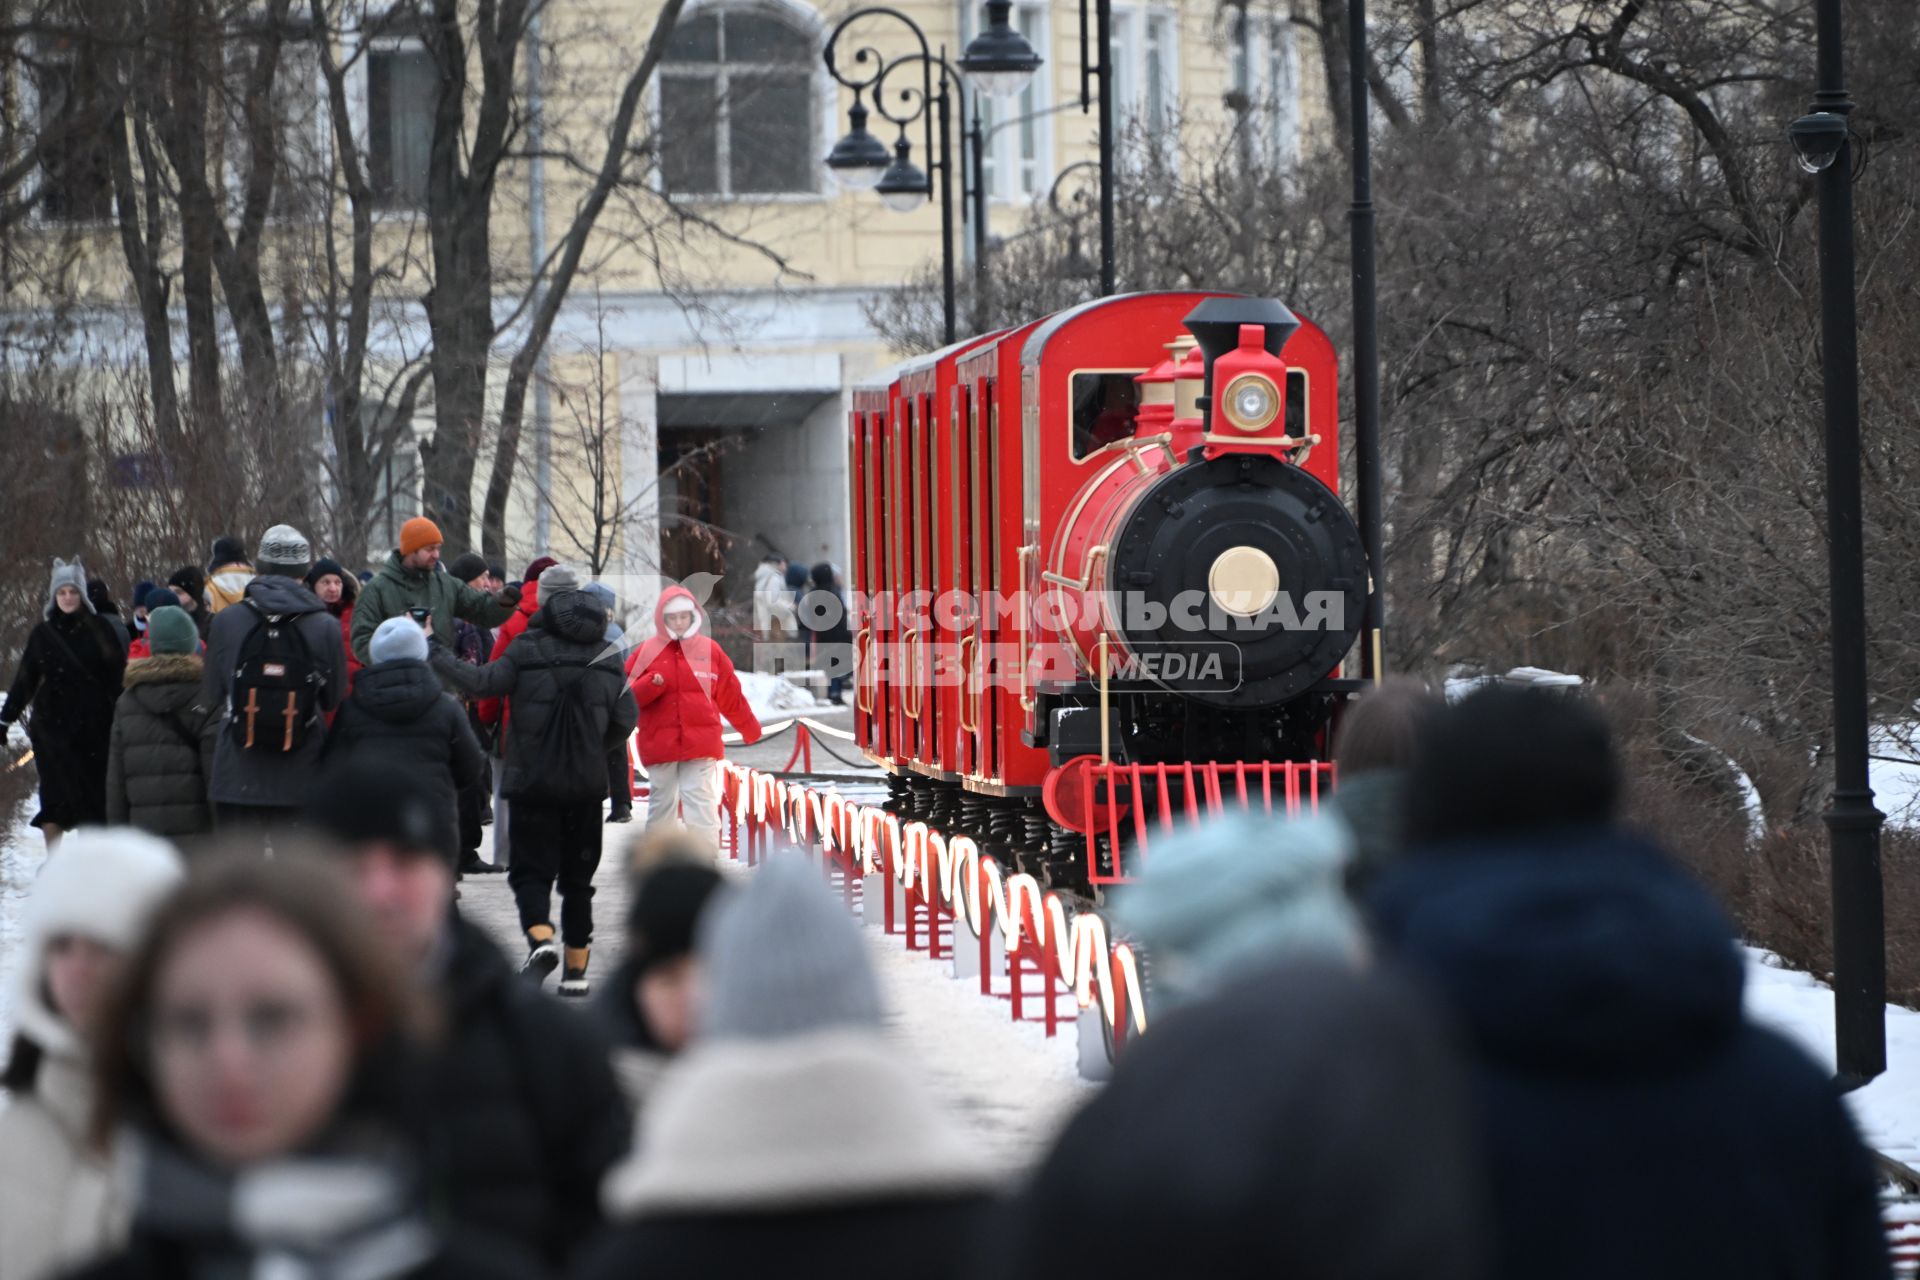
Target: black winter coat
{"points": [[162, 752], [1633, 1123], [400, 716], [70, 675], [526, 1118], [541, 662]]}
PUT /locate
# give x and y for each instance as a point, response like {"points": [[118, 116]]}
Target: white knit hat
{"points": [[103, 884]]}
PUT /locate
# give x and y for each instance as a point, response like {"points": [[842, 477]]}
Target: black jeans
{"points": [[619, 781], [556, 842]]}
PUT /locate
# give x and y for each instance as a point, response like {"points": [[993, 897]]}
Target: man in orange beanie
{"points": [[411, 578]]}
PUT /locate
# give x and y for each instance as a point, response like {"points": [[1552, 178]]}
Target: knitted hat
{"points": [[557, 577], [227, 550], [467, 567], [398, 640], [667, 906], [496, 570], [349, 584], [103, 884], [170, 630], [784, 959], [358, 802], [418, 533], [1238, 892], [537, 568], [190, 578], [140, 590], [68, 573], [285, 551]]}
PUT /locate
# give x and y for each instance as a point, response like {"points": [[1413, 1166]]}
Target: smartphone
{"points": [[420, 617]]}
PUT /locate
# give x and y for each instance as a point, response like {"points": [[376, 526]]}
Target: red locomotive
{"points": [[1101, 565]]}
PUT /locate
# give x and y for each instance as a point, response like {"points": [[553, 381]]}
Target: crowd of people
{"points": [[1463, 1023]]}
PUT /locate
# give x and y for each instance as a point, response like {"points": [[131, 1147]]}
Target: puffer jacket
{"points": [[564, 645], [399, 715], [227, 585], [259, 778], [396, 589], [1616, 1080], [680, 716], [164, 736]]}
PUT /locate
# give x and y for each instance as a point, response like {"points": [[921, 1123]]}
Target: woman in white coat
{"points": [[58, 1207]]}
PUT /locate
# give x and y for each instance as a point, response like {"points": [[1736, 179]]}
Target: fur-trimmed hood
{"points": [[165, 668], [825, 1120]]}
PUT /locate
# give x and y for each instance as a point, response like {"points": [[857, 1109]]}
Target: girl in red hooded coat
{"points": [[684, 684]]}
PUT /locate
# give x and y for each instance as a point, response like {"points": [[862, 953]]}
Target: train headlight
{"points": [[1252, 402]]}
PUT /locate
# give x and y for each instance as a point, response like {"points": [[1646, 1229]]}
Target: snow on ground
{"points": [[1888, 1109], [775, 698], [21, 853], [1010, 1084]]}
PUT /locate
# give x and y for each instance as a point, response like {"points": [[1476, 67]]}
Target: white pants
{"points": [[686, 790]]}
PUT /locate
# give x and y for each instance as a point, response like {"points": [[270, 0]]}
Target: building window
{"points": [[402, 85], [737, 106], [76, 180], [1266, 80], [1017, 163], [1145, 57]]}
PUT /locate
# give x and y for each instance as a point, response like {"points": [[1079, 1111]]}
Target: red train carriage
{"points": [[1102, 565]]}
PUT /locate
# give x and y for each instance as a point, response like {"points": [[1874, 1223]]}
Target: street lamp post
{"points": [[1366, 349], [862, 162], [1000, 62], [1853, 823]]}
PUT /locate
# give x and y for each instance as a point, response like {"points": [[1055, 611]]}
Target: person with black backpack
{"points": [[570, 707], [276, 666]]}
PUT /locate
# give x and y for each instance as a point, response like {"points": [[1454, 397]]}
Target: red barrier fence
{"points": [[941, 892]]}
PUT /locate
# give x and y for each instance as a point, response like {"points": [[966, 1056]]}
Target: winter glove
{"points": [[509, 595]]}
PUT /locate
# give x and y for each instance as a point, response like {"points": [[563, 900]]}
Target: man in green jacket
{"points": [[411, 579]]}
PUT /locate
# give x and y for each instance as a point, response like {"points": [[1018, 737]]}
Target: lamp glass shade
{"points": [[859, 160], [999, 61]]}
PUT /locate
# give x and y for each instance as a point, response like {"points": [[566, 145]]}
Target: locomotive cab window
{"points": [[1104, 404]]}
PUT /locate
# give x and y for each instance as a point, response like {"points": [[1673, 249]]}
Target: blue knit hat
{"points": [[398, 639], [140, 592], [1217, 900]]}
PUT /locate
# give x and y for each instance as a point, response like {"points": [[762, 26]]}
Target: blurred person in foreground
{"points": [[791, 1138], [58, 1204], [1239, 892], [1634, 1123], [1310, 1122], [523, 1116], [1372, 751], [650, 1009], [256, 1075]]}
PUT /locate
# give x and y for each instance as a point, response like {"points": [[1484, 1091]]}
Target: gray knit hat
{"points": [[69, 573], [284, 550], [557, 578], [784, 959]]}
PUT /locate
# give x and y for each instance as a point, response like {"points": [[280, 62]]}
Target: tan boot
{"points": [[573, 982]]}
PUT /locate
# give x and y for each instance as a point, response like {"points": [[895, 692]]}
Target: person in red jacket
{"points": [[684, 684]]}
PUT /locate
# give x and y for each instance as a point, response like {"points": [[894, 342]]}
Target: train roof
{"points": [[1049, 328]]}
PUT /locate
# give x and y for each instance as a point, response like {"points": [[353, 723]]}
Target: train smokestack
{"points": [[1215, 324]]}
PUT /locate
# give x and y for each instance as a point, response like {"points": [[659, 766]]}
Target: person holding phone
{"points": [[412, 578]]}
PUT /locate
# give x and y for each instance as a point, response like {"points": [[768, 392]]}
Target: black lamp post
{"points": [[1853, 823], [1366, 349], [1000, 61], [861, 161]]}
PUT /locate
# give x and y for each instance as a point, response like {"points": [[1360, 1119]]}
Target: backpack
{"points": [[568, 763], [276, 687]]}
